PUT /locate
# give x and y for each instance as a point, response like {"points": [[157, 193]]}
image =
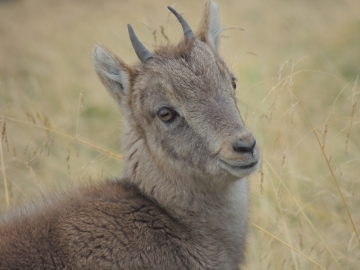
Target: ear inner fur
{"points": [[209, 29]]}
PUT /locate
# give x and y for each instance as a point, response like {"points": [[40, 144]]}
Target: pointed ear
{"points": [[113, 72], [209, 30]]}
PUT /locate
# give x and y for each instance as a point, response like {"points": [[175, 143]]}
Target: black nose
{"points": [[244, 147]]}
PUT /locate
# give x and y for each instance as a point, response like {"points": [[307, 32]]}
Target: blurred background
{"points": [[297, 65]]}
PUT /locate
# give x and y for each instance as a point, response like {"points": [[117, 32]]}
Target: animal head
{"points": [[181, 100]]}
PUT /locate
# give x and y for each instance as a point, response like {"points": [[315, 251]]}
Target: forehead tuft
{"points": [[182, 49], [195, 49], [193, 55], [189, 70]]}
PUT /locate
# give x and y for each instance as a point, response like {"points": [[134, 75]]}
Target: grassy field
{"points": [[297, 64]]}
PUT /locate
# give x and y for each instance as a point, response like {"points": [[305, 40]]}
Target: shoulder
{"points": [[117, 222], [118, 202]]}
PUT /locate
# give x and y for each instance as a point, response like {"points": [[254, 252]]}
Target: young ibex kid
{"points": [[182, 201]]}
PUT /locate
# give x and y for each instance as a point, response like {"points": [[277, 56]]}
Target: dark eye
{"points": [[233, 82], [166, 114]]}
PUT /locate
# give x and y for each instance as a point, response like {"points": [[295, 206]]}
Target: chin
{"points": [[240, 170]]}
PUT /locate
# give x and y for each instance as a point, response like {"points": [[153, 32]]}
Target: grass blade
{"points": [[330, 169], [302, 211], [286, 244]]}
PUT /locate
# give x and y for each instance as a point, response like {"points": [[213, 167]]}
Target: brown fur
{"points": [[182, 200]]}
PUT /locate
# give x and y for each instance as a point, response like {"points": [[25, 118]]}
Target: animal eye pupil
{"points": [[233, 83], [166, 115]]}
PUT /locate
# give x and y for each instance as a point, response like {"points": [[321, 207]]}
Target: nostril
{"points": [[244, 147]]}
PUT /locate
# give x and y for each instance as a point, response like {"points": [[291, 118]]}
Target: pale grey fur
{"points": [[108, 66]]}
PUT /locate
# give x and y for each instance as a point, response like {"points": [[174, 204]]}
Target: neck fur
{"points": [[218, 214], [180, 193]]}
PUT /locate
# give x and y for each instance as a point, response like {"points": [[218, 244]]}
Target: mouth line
{"points": [[242, 167]]}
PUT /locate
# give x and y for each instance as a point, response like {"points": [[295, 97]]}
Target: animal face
{"points": [[182, 100]]}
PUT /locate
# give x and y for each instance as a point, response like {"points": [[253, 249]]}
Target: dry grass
{"points": [[297, 65]]}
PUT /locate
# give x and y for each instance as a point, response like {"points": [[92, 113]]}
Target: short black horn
{"points": [[187, 30], [139, 48]]}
